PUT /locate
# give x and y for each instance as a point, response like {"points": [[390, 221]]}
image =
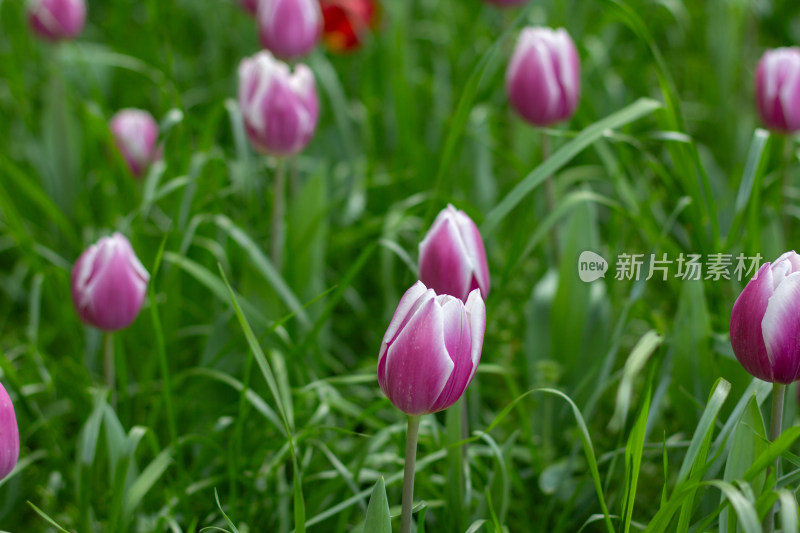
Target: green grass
{"points": [[248, 398]]}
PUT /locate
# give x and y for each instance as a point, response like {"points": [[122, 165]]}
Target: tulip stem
{"points": [[775, 428], [550, 195], [408, 474], [108, 365], [278, 206]]}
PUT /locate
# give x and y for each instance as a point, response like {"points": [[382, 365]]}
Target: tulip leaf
{"points": [[593, 132], [788, 511], [139, 488], [749, 441], [269, 377], [773, 451], [640, 354], [634, 450], [746, 512], [378, 518]]}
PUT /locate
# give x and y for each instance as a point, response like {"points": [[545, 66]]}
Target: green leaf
{"points": [[564, 155], [378, 518]]}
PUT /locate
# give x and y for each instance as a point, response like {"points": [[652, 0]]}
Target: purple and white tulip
{"points": [[778, 89], [543, 80], [289, 28], [109, 284], [135, 133], [279, 108], [57, 20], [765, 322], [9, 435], [452, 259], [431, 350]]}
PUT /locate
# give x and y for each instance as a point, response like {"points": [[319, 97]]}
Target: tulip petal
{"points": [[458, 342], [417, 363], [444, 263], [409, 304], [781, 330], [9, 435], [476, 252], [476, 315], [747, 339]]}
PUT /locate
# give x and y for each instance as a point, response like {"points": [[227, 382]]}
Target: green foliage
{"points": [[247, 395]]}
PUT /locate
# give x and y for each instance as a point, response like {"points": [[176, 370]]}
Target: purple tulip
{"points": [[56, 20], [135, 133], [9, 435], [452, 259], [279, 108], [765, 322], [249, 5], [109, 284], [289, 28], [431, 350], [778, 89], [543, 79]]}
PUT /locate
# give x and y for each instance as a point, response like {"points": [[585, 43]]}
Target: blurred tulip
{"points": [[765, 322], [505, 3], [135, 133], [347, 23], [431, 350], [249, 5], [9, 435], [543, 79], [778, 89], [109, 284], [279, 108], [289, 28], [56, 20], [452, 259]]}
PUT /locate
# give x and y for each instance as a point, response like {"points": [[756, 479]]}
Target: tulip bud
{"points": [[9, 435], [347, 23], [249, 5], [289, 28], [279, 108], [109, 284], [431, 350], [778, 89], [543, 79], [135, 133], [452, 259], [56, 20], [765, 322]]}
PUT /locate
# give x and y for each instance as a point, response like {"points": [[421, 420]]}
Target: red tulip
{"points": [[347, 23]]}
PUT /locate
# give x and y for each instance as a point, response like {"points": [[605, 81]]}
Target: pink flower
{"points": [[135, 133], [765, 322], [109, 284], [543, 79], [9, 435], [279, 108], [431, 350], [778, 89], [452, 259], [289, 28], [56, 20]]}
